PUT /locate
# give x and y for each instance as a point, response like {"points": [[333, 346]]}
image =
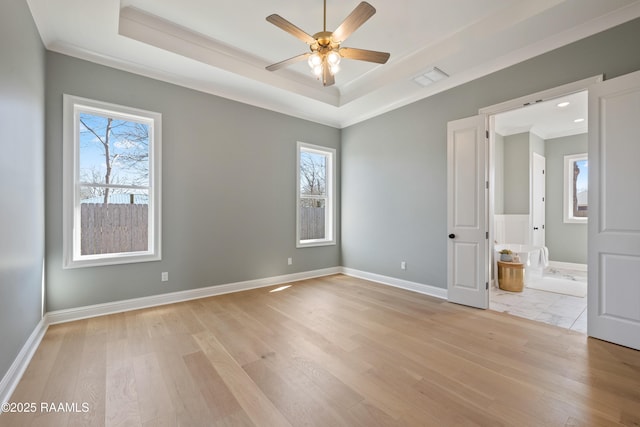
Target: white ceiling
{"points": [[547, 119], [221, 47]]}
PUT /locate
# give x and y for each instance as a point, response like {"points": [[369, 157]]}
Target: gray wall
{"points": [[22, 70], [228, 172], [228, 191], [516, 160], [536, 145], [394, 165], [566, 242], [516, 174]]}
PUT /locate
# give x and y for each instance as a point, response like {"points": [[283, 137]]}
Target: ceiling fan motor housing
{"points": [[324, 43]]}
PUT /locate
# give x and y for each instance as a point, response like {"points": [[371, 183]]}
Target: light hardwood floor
{"points": [[334, 351]]}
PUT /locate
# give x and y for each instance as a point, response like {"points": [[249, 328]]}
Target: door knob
{"points": [[535, 228], [452, 236]]}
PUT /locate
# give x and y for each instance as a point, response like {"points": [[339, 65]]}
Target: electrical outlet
{"points": [[403, 265], [289, 261], [165, 276]]}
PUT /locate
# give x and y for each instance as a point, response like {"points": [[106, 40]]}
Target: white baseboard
{"points": [[568, 265], [397, 283], [16, 370], [12, 378], [68, 315]]}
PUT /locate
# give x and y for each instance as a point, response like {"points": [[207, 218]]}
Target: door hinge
{"points": [[487, 285], [487, 133], [486, 235], [487, 184]]}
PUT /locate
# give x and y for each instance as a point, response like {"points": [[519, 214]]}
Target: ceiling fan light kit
{"points": [[325, 51]]}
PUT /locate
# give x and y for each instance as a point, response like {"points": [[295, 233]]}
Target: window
{"points": [[316, 195], [111, 181], [576, 188]]}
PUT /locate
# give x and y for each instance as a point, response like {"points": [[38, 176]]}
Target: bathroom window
{"points": [[576, 188]]}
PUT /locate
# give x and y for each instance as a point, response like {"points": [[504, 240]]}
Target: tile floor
{"points": [[565, 311]]}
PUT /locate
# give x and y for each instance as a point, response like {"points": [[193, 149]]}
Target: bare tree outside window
{"points": [[114, 182], [315, 208], [112, 176], [114, 154], [313, 179]]}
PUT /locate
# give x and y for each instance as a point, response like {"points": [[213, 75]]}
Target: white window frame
{"points": [[568, 217], [330, 206], [72, 258]]}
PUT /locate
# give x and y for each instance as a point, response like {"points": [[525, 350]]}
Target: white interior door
{"points": [[467, 247], [538, 194], [614, 211]]}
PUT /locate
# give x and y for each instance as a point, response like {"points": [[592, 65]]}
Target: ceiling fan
{"points": [[325, 54]]}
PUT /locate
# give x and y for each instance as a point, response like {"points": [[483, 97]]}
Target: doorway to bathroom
{"points": [[536, 190], [614, 242]]}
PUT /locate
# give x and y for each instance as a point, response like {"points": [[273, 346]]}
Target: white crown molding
{"points": [[152, 30], [357, 110], [196, 61], [314, 111]]}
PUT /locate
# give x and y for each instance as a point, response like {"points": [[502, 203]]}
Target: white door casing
{"points": [[467, 248], [538, 194], [614, 211]]}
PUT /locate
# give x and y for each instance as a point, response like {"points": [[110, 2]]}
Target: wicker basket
{"points": [[511, 276]]}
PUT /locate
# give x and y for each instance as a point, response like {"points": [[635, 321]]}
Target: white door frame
{"points": [[545, 95], [532, 202], [490, 112]]}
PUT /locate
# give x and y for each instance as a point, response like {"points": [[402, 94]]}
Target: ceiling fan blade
{"points": [[327, 77], [287, 62], [364, 55], [359, 16], [282, 23]]}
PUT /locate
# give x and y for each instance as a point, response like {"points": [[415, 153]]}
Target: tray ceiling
{"points": [[222, 47]]}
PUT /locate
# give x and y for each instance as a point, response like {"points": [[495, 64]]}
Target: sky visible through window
{"points": [[582, 182], [113, 152]]}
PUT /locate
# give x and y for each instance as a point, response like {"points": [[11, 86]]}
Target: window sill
{"points": [[116, 259], [314, 243]]}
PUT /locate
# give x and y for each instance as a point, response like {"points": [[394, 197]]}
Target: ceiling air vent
{"points": [[430, 76]]}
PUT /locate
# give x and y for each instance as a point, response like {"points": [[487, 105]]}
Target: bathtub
{"points": [[529, 256]]}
